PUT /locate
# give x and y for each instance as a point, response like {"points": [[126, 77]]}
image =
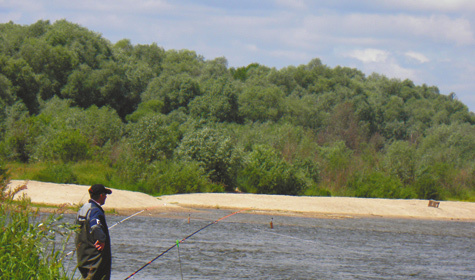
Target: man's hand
{"points": [[99, 245]]}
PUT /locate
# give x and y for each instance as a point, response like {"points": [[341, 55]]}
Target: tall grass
{"points": [[29, 246]]}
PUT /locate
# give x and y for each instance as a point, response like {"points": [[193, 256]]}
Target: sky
{"points": [[427, 41]]}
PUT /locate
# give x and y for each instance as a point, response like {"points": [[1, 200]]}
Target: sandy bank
{"points": [[329, 207]]}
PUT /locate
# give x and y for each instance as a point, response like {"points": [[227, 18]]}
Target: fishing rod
{"points": [[181, 241], [126, 218]]}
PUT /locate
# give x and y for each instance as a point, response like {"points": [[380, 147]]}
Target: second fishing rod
{"points": [[181, 241]]}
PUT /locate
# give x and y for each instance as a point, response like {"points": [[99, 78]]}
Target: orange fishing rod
{"points": [[181, 241]]}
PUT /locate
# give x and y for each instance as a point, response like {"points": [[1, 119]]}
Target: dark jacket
{"points": [[93, 263]]}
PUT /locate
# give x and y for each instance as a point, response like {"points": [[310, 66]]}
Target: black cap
{"points": [[98, 189]]}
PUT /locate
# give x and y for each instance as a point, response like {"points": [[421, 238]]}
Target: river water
{"points": [[243, 246]]}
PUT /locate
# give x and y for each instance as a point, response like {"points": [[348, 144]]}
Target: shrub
{"points": [[28, 249], [266, 172], [377, 184], [64, 145], [426, 187], [151, 138], [179, 177], [215, 151], [59, 173], [314, 190]]}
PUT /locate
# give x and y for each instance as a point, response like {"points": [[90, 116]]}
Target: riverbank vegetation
{"points": [[80, 109], [32, 246]]}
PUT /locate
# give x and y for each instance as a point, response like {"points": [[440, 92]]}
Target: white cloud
{"points": [[394, 70], [397, 27], [369, 55], [382, 62], [417, 56]]}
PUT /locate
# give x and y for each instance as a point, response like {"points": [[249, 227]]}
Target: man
{"points": [[92, 240]]}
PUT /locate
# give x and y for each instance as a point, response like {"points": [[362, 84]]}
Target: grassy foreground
{"points": [[31, 246]]}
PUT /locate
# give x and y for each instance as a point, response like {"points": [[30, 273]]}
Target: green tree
{"points": [[6, 95], [145, 108], [219, 103], [182, 62], [152, 138], [258, 103], [171, 177], [64, 145], [175, 92], [24, 84], [20, 135], [377, 184], [215, 150], [241, 73], [266, 172], [401, 161], [453, 144]]}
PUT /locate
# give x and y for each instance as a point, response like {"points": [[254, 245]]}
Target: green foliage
{"points": [[182, 62], [266, 172], [262, 104], [426, 187], [145, 108], [241, 73], [377, 184], [215, 151], [152, 138], [29, 244], [174, 177], [67, 92], [337, 156], [219, 103], [58, 173], [454, 144], [24, 84], [19, 135], [64, 145], [317, 191], [400, 161], [174, 91]]}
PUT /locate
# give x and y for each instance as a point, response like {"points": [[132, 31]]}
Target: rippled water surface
{"points": [[244, 246]]}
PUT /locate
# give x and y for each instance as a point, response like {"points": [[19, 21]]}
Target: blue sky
{"points": [[426, 41]]}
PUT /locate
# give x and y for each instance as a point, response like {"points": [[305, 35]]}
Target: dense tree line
{"points": [[79, 109]]}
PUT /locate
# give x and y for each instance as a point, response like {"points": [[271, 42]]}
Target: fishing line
{"points": [[181, 241], [179, 259]]}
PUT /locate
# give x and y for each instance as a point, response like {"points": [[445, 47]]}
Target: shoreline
{"points": [[123, 202]]}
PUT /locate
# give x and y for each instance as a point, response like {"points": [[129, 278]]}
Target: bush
{"points": [[426, 187], [179, 177], [377, 185], [151, 138], [60, 173], [27, 244], [215, 151], [64, 145], [266, 172], [314, 190]]}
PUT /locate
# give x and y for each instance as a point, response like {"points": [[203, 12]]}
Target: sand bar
{"points": [[123, 201]]}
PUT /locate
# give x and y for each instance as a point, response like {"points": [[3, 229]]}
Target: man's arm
{"points": [[97, 231]]}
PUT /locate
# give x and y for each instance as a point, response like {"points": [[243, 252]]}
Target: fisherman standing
{"points": [[92, 240]]}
